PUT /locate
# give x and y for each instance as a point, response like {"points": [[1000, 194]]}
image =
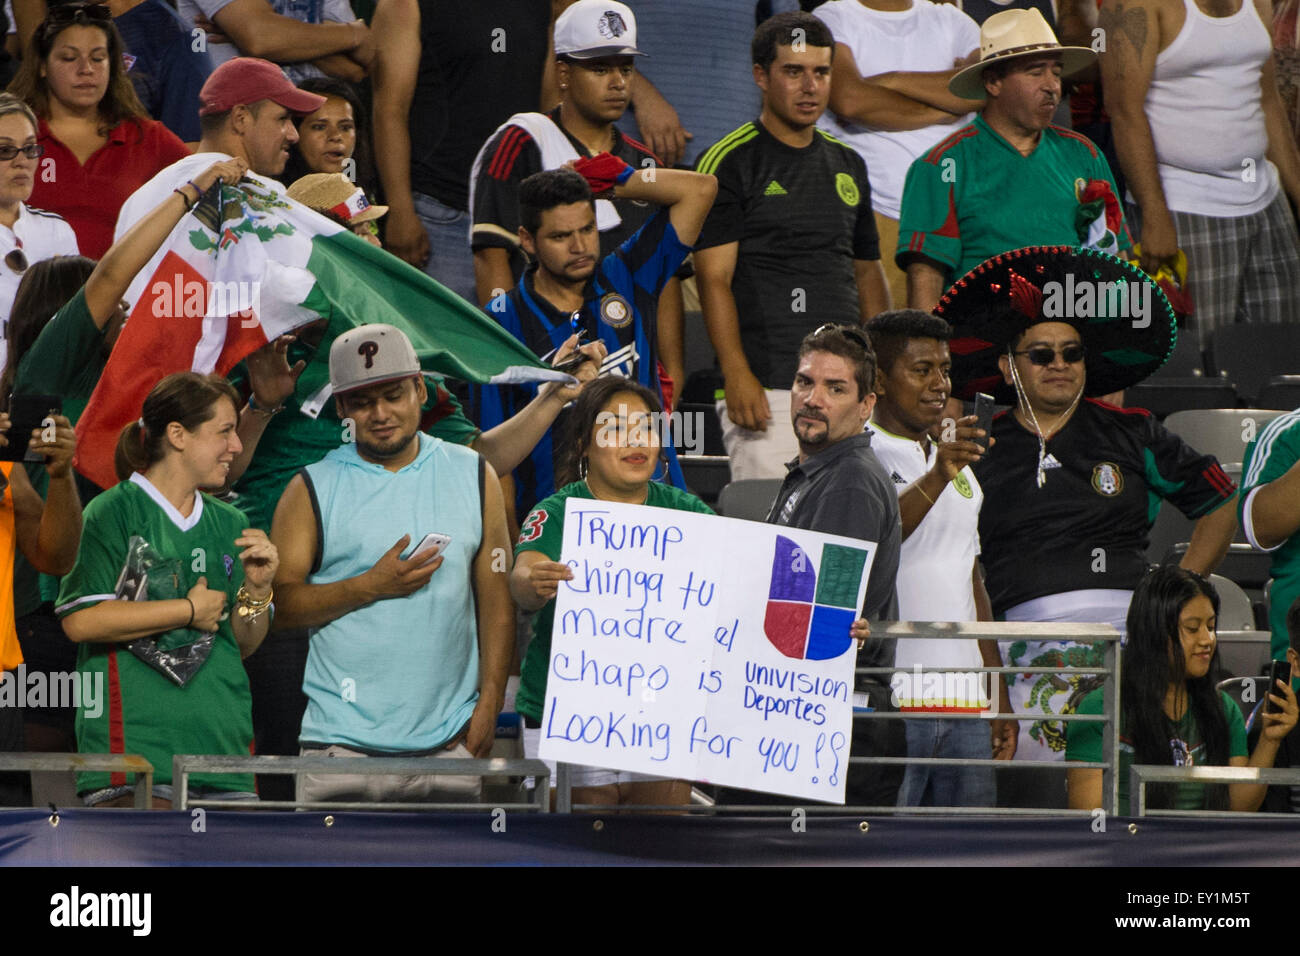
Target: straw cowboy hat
{"points": [[334, 193], [1012, 34]]}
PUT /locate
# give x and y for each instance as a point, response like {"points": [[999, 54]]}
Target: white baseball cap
{"points": [[370, 354], [595, 29]]}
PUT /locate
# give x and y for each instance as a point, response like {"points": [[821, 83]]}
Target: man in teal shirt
{"points": [[1009, 179]]}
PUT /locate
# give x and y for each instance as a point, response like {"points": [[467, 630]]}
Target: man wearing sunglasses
{"points": [[1073, 484]]}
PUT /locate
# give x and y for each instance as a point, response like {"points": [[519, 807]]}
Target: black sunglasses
{"points": [[1045, 354], [78, 13], [31, 151], [850, 332]]}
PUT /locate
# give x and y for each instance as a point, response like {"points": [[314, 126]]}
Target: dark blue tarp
{"points": [[109, 837]]}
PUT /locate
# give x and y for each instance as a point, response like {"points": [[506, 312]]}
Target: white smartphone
{"points": [[430, 545]]}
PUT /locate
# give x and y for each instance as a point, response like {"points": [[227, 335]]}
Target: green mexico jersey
{"points": [[543, 531], [66, 360], [1186, 745], [140, 710], [1270, 456], [974, 196]]}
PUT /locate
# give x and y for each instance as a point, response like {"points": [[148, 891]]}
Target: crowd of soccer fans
{"points": [[872, 211]]}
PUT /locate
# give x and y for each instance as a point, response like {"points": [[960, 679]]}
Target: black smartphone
{"points": [[1277, 671], [26, 412], [573, 361], [984, 418]]}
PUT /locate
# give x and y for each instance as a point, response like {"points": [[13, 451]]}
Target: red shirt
{"points": [[89, 196]]}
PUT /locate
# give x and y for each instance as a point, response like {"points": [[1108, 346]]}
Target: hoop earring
{"points": [[582, 468]]}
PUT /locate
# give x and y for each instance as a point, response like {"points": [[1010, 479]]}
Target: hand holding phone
{"points": [[1277, 671], [26, 415], [983, 419], [430, 546]]}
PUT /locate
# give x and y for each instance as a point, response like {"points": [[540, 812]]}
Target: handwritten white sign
{"points": [[706, 649]]}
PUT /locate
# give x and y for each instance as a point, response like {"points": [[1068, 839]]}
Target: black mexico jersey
{"points": [[801, 217], [1107, 471]]}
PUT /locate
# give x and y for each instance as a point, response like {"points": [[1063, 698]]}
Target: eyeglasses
{"points": [[852, 333], [31, 151], [1045, 354]]}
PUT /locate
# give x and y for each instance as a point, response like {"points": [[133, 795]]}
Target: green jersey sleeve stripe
{"points": [[725, 145], [1264, 446], [86, 599]]}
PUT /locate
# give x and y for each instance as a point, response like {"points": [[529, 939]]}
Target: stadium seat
{"points": [[1235, 611], [750, 499], [1243, 564], [1162, 396], [1244, 689], [702, 386], [1186, 362], [1221, 432], [697, 347], [706, 475], [1282, 391], [707, 422], [1252, 353], [1172, 528]]}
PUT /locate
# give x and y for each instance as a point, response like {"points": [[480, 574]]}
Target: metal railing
{"points": [[133, 764], [1140, 775], [185, 764], [981, 630]]}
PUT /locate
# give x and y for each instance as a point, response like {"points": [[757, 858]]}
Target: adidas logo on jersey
{"points": [[621, 362], [775, 189], [898, 479]]}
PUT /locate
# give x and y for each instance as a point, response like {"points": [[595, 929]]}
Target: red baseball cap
{"points": [[246, 80]]}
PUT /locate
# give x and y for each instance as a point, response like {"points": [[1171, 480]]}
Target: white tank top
{"points": [[1207, 118]]}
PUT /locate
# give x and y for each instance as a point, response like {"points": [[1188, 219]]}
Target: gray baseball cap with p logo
{"points": [[370, 354]]}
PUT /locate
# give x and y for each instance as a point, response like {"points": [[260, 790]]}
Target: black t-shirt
{"points": [[480, 63], [801, 216], [845, 490], [510, 158], [1107, 471]]}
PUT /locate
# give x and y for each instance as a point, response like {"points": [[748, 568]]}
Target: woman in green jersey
{"points": [[171, 590], [1170, 710]]}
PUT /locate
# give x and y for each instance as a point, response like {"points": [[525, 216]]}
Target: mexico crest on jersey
{"points": [[1107, 479]]}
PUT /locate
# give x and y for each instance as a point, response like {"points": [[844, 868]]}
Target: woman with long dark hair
{"points": [[45, 288], [1171, 712], [334, 138], [99, 143], [170, 592], [613, 451]]}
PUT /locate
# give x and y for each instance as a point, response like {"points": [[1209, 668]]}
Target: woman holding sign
{"points": [[614, 450]]}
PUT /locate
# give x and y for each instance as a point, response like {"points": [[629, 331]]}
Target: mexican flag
{"points": [[249, 264]]}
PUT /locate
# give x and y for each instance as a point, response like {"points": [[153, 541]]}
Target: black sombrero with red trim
{"points": [[1125, 321]]}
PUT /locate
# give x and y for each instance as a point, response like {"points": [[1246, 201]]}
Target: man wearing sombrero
{"points": [[1073, 485], [1009, 179]]}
